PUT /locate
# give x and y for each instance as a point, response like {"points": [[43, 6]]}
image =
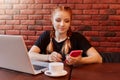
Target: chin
{"points": [[62, 32]]}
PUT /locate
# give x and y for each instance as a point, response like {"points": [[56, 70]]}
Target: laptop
{"points": [[14, 56]]}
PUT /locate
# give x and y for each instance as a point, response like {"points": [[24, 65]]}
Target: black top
{"points": [[78, 42]]}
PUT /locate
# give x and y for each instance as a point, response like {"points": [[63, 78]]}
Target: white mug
{"points": [[56, 67]]}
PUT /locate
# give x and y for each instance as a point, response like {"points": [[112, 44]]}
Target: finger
{"points": [[56, 58], [67, 62], [59, 55], [59, 59]]}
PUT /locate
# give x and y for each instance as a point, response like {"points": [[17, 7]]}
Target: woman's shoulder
{"points": [[76, 34], [45, 33]]}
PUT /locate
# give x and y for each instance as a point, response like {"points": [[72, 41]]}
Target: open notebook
{"points": [[14, 56]]}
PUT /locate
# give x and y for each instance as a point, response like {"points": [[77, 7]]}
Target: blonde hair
{"points": [[67, 45]]}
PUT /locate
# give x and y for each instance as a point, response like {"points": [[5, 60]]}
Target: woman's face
{"points": [[61, 21]]}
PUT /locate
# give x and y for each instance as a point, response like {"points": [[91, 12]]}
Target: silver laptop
{"points": [[14, 56]]}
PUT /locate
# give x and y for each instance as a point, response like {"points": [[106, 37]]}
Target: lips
{"points": [[61, 28]]}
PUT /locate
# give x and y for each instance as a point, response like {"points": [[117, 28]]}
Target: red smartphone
{"points": [[76, 53]]}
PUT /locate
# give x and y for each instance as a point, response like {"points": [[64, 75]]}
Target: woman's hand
{"points": [[73, 60], [55, 56]]}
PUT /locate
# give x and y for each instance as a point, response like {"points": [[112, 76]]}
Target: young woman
{"points": [[56, 44]]}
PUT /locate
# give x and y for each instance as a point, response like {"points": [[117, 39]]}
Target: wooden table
{"points": [[6, 74], [105, 71], [108, 71]]}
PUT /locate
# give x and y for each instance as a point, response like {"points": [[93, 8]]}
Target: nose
{"points": [[62, 23]]}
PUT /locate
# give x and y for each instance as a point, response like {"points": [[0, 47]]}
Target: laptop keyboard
{"points": [[38, 67]]}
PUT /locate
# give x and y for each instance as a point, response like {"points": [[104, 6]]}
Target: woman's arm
{"points": [[92, 57], [34, 53]]}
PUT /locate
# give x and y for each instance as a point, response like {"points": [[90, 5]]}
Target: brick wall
{"points": [[98, 20]]}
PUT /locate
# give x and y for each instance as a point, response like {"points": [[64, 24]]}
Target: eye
{"points": [[67, 21], [58, 20]]}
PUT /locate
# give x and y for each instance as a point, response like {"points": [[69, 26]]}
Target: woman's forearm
{"points": [[37, 56], [91, 59]]}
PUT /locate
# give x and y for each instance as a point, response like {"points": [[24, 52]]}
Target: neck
{"points": [[60, 37]]}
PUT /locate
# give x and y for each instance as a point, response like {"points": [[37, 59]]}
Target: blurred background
{"points": [[97, 20]]}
